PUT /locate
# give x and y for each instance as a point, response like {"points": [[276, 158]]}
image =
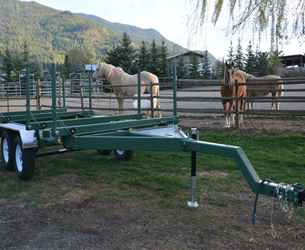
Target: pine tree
{"points": [[26, 55], [275, 62], [250, 66], [67, 66], [181, 71], [143, 57], [231, 53], [154, 65], [18, 68], [112, 56], [194, 67], [127, 55], [164, 67], [206, 67], [239, 57], [36, 69], [263, 64], [7, 65]]}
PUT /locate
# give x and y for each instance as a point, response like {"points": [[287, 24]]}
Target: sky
{"points": [[169, 17]]}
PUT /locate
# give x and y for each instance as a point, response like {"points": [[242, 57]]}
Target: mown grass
{"points": [[280, 157]]}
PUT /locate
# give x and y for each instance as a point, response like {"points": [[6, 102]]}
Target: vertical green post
{"points": [[90, 94], [174, 91], [28, 104], [63, 92], [139, 91], [237, 104], [54, 96]]}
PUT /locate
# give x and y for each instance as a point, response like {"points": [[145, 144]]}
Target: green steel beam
{"points": [[73, 122], [117, 125], [28, 103]]}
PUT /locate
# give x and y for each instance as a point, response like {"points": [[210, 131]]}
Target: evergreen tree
{"points": [[206, 67], [263, 64], [250, 66], [112, 56], [231, 53], [67, 66], [18, 67], [194, 67], [26, 55], [127, 54], [164, 68], [239, 57], [143, 57], [181, 70], [154, 66], [7, 65], [275, 62], [36, 69]]}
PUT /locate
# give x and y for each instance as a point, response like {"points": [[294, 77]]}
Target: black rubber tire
{"points": [[124, 155], [7, 141], [104, 152], [24, 160]]}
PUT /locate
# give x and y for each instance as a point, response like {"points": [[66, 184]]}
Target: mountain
{"points": [[137, 33], [50, 32]]}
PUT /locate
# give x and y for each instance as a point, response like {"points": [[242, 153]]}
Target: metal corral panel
{"points": [[28, 137]]}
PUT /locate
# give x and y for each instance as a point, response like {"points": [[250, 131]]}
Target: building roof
{"points": [[190, 51]]}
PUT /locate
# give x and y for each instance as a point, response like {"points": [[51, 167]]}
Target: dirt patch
{"points": [[74, 214]]}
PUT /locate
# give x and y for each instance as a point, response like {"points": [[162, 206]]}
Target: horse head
{"points": [[99, 72], [229, 74]]}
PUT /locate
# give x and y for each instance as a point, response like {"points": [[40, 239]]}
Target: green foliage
{"points": [[181, 71], [112, 56], [250, 66], [164, 67], [143, 56], [154, 65], [7, 65], [194, 72], [231, 53], [67, 66], [262, 64], [127, 55], [239, 57], [206, 67]]}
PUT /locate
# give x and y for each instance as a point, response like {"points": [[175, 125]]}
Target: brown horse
{"points": [[253, 93], [118, 77], [230, 75]]}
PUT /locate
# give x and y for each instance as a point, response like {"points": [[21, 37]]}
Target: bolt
{"points": [[29, 127], [295, 200], [56, 132], [295, 193]]}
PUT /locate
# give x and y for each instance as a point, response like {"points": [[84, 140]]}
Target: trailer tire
{"points": [[104, 152], [24, 160], [124, 155], [7, 150]]}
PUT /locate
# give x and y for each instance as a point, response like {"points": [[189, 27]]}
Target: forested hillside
{"points": [[50, 33]]}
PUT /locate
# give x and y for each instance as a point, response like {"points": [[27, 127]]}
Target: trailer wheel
{"points": [[104, 152], [7, 150], [24, 160], [124, 155]]}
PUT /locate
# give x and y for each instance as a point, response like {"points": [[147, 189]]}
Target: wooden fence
{"points": [[198, 97]]}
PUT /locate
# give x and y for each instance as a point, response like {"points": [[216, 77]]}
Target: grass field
{"points": [[163, 178]]}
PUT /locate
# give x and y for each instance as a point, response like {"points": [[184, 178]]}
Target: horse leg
{"points": [[241, 109], [224, 103], [121, 105], [231, 107]]}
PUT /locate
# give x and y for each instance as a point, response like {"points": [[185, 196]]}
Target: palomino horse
{"points": [[118, 77], [252, 93], [230, 75]]}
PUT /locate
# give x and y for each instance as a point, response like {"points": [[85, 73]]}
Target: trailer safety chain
{"points": [[285, 206], [60, 121], [33, 117], [4, 117]]}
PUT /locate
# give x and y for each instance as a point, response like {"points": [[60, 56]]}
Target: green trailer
{"points": [[24, 132]]}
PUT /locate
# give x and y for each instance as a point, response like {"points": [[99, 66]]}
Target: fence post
{"points": [[152, 101], [38, 95], [139, 91], [81, 95], [236, 104], [174, 90], [60, 93], [7, 98]]}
